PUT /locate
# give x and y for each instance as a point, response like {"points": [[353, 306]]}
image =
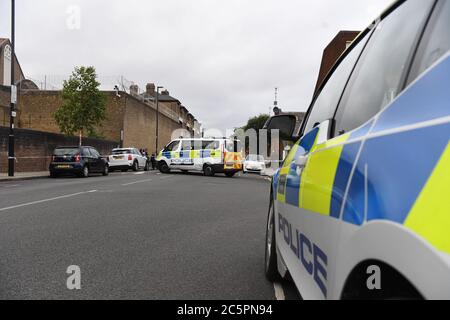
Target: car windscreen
{"points": [[66, 151], [123, 151]]}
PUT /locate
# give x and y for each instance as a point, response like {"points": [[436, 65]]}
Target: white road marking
{"points": [[279, 292], [46, 200], [136, 182]]}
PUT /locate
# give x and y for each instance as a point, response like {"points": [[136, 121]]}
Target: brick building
{"points": [[130, 117], [332, 53], [130, 120], [5, 64]]}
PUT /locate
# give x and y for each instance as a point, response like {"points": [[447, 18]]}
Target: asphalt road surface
{"points": [[135, 236]]}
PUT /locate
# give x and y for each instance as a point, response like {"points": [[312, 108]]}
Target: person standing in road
{"points": [[153, 161]]}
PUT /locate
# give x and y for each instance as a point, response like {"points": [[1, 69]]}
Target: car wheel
{"points": [[135, 166], [106, 170], [271, 269], [208, 171], [164, 168], [85, 172]]}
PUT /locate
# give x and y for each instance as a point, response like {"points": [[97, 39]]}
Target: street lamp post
{"points": [[157, 118], [11, 157]]}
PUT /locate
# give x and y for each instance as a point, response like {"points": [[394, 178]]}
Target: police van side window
{"points": [[328, 99], [187, 145], [209, 145], [380, 71], [172, 146], [436, 40]]}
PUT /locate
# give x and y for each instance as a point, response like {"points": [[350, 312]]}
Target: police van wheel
{"points": [[208, 171], [271, 251], [230, 174], [164, 168]]}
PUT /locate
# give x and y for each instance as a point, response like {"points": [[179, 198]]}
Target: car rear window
{"points": [[121, 152], [66, 152], [254, 157]]}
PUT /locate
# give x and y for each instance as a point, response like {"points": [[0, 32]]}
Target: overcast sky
{"points": [[221, 59]]}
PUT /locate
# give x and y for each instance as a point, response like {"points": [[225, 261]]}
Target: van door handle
{"points": [[301, 161]]}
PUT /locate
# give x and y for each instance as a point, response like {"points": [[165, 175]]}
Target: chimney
{"points": [[134, 90], [150, 89]]}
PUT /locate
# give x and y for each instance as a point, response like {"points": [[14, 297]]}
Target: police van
{"points": [[209, 156], [360, 208]]}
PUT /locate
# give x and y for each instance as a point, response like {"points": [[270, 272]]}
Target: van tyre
{"points": [[208, 171], [164, 168], [271, 268], [230, 174]]}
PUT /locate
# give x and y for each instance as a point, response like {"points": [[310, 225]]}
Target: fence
{"points": [[55, 82], [33, 149]]}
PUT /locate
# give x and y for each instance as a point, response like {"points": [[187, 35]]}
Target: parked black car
{"points": [[80, 161]]}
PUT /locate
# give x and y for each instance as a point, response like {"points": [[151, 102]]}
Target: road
{"points": [[134, 236]]}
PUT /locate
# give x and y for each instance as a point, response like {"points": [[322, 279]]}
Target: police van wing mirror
{"points": [[286, 125]]}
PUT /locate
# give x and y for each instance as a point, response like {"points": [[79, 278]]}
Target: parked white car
{"points": [[125, 159], [254, 164]]}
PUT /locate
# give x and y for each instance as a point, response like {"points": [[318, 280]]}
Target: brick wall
{"points": [[136, 118], [36, 109], [139, 124], [33, 149]]}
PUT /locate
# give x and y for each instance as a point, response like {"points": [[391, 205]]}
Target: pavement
{"points": [[136, 236], [24, 176]]}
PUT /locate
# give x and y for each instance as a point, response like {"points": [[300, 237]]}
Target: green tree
{"points": [[84, 106], [256, 123]]}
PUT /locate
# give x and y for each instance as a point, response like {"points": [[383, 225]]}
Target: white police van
{"points": [[209, 156], [360, 208]]}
